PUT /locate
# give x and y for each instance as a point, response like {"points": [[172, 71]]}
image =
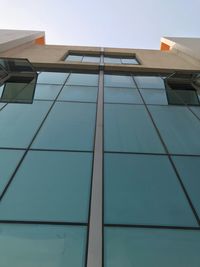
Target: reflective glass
{"points": [[31, 245], [178, 97], [179, 128], [154, 96], [79, 93], [189, 170], [129, 61], [8, 162], [19, 123], [50, 186], [144, 189], [83, 79], [47, 91], [94, 59], [128, 128], [196, 111], [52, 77], [112, 60], [74, 58], [130, 247], [119, 81], [122, 95], [69, 126], [152, 82]]}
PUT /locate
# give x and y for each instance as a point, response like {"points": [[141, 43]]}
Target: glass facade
{"points": [[150, 175]]}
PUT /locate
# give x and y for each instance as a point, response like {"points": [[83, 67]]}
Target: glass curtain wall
{"points": [[151, 175], [46, 158]]}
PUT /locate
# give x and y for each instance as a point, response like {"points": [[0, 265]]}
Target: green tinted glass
{"points": [[50, 186]]}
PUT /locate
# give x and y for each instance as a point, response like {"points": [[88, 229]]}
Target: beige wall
{"points": [[151, 60]]}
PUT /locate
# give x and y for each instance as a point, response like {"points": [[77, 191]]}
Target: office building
{"points": [[99, 154]]}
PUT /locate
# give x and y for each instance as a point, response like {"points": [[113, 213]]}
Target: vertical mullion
{"points": [[94, 253]]}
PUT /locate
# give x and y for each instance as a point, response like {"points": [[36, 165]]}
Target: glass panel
{"points": [[69, 126], [128, 128], [47, 91], [189, 170], [119, 81], [19, 122], [178, 97], [196, 110], [91, 59], [144, 189], [74, 58], [152, 82], [129, 61], [112, 60], [31, 245], [19, 91], [8, 162], [154, 96], [50, 186], [79, 93], [52, 77], [83, 79], [129, 247], [179, 128], [122, 95]]}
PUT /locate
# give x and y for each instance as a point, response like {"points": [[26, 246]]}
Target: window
{"points": [[83, 58], [180, 91], [121, 60]]}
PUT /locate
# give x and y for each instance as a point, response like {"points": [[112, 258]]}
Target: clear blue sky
{"points": [[114, 23]]}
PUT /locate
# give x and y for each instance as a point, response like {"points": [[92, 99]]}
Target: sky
{"points": [[104, 23]]}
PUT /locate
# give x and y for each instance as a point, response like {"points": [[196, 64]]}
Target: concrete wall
{"points": [[152, 60]]}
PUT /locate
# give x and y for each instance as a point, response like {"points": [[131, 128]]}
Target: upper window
{"points": [[121, 60], [83, 58], [180, 91]]}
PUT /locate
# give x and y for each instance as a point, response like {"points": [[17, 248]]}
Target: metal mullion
{"points": [[170, 159], [94, 250]]}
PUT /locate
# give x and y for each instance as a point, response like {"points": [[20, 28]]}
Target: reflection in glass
{"points": [[122, 95], [52, 77], [179, 128], [153, 82], [8, 162], [112, 60], [19, 123], [83, 79], [118, 81], [180, 97], [31, 245], [131, 61], [69, 126], [144, 189], [154, 96], [129, 247], [50, 186], [74, 58], [189, 170], [47, 91], [128, 128], [79, 93]]}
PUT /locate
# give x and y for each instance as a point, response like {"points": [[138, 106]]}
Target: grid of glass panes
{"points": [[46, 155], [151, 175], [83, 58]]}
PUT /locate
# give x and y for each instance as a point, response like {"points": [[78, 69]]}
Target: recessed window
{"points": [[121, 60], [181, 91], [83, 58]]}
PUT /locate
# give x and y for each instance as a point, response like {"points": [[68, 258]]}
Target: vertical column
{"points": [[94, 256]]}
